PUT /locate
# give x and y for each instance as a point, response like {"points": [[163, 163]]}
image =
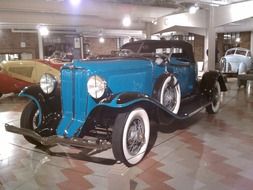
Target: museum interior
{"points": [[126, 95]]}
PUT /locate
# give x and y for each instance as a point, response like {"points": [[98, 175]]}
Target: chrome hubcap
{"points": [[170, 98], [135, 136]]}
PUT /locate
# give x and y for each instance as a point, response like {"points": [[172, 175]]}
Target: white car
{"points": [[236, 61]]}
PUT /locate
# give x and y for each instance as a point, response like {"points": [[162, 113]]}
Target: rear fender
{"points": [[46, 103], [208, 81], [158, 84]]}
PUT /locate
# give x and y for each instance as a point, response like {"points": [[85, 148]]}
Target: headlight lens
{"points": [[96, 86], [47, 83]]}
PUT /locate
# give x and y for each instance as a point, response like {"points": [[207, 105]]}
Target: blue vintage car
{"points": [[109, 102]]}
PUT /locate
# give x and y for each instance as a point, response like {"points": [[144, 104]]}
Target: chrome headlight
{"points": [[47, 83], [96, 86]]}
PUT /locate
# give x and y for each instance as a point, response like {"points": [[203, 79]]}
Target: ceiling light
{"points": [[126, 21], [101, 40], [193, 9], [75, 2], [154, 21], [43, 30]]}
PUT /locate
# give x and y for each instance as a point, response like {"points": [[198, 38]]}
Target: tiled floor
{"points": [[206, 152]]}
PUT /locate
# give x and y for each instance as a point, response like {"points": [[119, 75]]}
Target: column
{"points": [[251, 42], [148, 30], [205, 55], [41, 54], [211, 40], [81, 47]]}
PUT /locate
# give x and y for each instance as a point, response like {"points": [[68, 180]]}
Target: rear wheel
{"points": [[29, 120], [215, 105], [170, 95], [130, 136], [241, 82]]}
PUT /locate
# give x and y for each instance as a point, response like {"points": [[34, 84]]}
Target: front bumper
{"points": [[87, 142]]}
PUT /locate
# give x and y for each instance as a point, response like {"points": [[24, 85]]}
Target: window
{"points": [[240, 52], [230, 52]]}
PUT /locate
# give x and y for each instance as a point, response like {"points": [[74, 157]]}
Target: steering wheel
{"points": [[162, 58], [125, 52]]}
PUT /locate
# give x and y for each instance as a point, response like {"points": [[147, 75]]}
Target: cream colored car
{"points": [[15, 75]]}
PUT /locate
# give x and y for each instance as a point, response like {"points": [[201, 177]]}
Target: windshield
{"points": [[134, 47]]}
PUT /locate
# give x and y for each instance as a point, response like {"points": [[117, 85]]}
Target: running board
{"points": [[90, 143], [191, 107]]}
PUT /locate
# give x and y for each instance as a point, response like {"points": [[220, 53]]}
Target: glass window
{"points": [[230, 52], [240, 52]]}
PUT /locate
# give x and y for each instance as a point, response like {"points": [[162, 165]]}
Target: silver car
{"points": [[236, 61]]}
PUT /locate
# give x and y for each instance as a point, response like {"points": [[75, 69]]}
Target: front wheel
{"points": [[29, 120], [130, 136], [223, 65], [215, 104]]}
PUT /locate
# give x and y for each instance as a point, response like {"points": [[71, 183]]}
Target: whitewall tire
{"points": [[130, 136]]}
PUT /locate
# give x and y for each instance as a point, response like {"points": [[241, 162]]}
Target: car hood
{"points": [[236, 58], [118, 65]]}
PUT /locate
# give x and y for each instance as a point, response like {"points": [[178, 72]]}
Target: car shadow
{"points": [[167, 126], [84, 155]]}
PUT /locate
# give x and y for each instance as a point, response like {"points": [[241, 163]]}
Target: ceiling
{"points": [[92, 17]]}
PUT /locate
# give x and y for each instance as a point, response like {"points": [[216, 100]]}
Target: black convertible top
{"points": [[150, 46]]}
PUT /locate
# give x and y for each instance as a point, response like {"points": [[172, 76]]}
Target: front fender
{"points": [[242, 69], [208, 81], [132, 99], [125, 99], [46, 103]]}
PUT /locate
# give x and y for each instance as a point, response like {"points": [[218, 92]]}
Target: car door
{"points": [[186, 72]]}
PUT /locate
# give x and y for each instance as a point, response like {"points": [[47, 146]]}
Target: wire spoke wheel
{"points": [[170, 97], [130, 136], [135, 136], [170, 94]]}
